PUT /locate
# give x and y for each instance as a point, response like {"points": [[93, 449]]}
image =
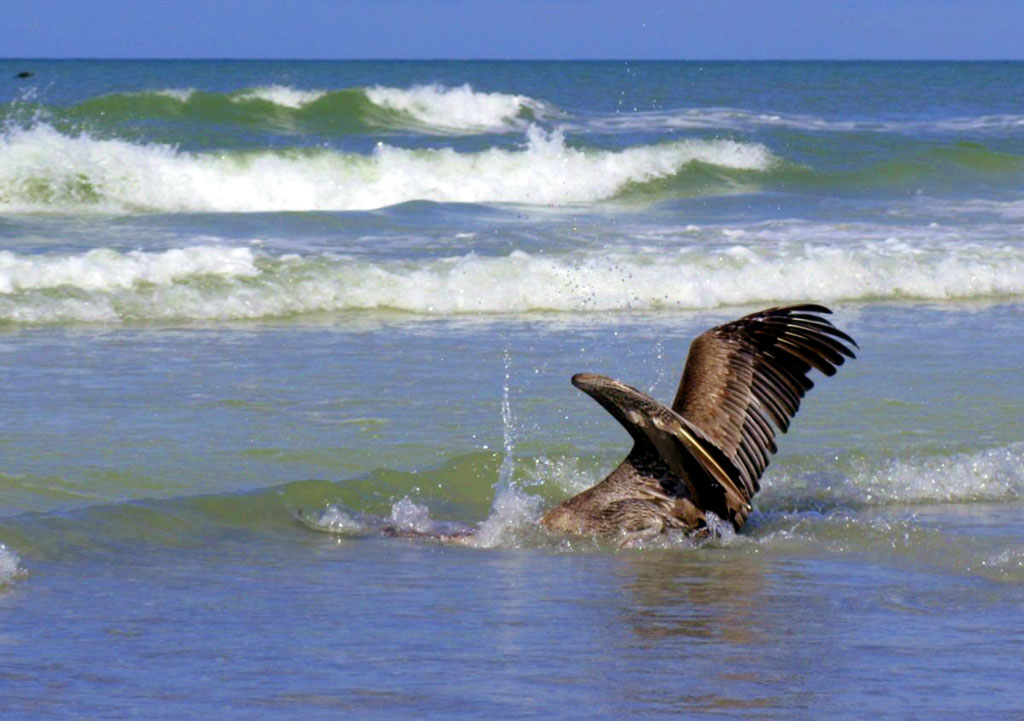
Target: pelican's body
{"points": [[707, 452]]}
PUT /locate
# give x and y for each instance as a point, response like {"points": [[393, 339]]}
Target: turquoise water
{"points": [[252, 311]]}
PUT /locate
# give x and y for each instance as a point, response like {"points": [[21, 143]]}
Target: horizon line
{"points": [[518, 60]]}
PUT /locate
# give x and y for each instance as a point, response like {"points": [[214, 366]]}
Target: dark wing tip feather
{"points": [[793, 339], [824, 325], [804, 307]]}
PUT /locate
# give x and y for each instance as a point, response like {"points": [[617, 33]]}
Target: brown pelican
{"points": [[707, 452]]}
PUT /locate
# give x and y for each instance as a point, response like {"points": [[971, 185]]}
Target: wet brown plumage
{"points": [[708, 451]]}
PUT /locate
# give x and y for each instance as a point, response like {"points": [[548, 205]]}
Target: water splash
{"points": [[333, 520], [507, 427], [510, 524], [407, 515], [513, 511], [661, 375], [23, 111], [9, 568]]}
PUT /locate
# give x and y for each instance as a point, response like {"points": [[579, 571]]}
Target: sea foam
{"points": [[739, 119], [180, 94], [45, 170], [994, 474], [104, 270], [211, 282], [451, 109], [459, 108], [282, 95]]}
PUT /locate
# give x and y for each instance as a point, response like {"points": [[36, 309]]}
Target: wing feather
{"points": [[742, 377]]}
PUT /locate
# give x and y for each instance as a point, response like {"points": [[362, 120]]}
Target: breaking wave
{"points": [[212, 282], [45, 170], [459, 109], [435, 109], [846, 505], [442, 109], [995, 474]]}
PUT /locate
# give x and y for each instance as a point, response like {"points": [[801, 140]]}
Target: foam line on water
{"points": [[233, 283], [740, 119], [994, 474], [105, 270]]}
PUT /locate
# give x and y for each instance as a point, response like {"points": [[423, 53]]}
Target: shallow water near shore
{"points": [[250, 313]]}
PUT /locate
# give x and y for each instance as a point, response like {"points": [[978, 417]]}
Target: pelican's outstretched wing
{"points": [[743, 374]]}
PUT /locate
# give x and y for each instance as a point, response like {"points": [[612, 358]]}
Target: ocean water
{"points": [[252, 312]]}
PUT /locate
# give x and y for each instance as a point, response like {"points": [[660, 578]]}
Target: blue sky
{"points": [[557, 29]]}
